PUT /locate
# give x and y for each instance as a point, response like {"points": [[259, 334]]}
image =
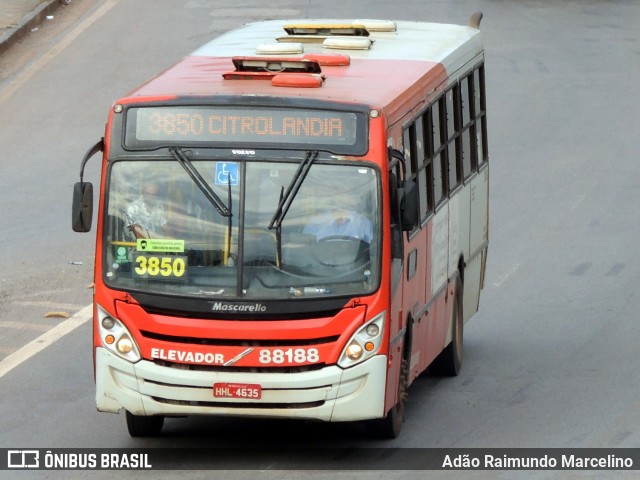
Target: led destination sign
{"points": [[169, 125]]}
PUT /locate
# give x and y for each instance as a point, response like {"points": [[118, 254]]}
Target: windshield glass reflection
{"points": [[163, 235]]}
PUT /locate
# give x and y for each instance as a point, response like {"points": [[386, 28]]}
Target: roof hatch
{"points": [[299, 72], [267, 67], [326, 29], [319, 32], [336, 36]]}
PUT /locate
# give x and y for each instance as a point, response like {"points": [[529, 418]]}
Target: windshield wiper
{"points": [[202, 184], [286, 199]]}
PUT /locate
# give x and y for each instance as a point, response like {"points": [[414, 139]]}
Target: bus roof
{"points": [[382, 70]]}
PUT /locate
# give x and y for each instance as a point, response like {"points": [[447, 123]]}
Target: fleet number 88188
{"points": [[289, 355]]}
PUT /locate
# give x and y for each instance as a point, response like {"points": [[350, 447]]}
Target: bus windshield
{"points": [[164, 235]]}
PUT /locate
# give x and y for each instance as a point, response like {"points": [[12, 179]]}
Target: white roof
{"points": [[433, 42]]}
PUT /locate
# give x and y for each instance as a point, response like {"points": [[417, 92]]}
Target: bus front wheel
{"points": [[140, 426]]}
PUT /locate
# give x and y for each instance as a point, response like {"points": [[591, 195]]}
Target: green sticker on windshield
{"points": [[121, 254], [159, 245]]}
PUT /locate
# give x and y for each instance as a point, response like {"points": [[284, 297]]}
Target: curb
{"points": [[32, 19]]}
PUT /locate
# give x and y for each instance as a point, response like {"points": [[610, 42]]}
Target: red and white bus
{"points": [[292, 222]]}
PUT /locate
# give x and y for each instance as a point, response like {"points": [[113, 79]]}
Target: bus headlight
{"points": [[124, 345], [364, 343], [354, 351], [116, 338]]}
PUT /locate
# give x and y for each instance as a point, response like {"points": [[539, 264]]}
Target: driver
{"points": [[340, 220], [146, 215]]}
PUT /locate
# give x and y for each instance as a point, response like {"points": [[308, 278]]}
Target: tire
{"points": [[140, 426], [389, 427], [449, 362]]}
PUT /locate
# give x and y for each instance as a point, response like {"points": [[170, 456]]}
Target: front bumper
{"points": [[330, 394]]}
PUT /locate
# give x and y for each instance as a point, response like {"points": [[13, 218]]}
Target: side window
{"points": [[450, 112], [435, 127], [421, 148], [465, 106], [408, 146], [394, 202], [423, 164], [438, 153], [480, 114], [414, 151], [452, 122], [468, 160]]}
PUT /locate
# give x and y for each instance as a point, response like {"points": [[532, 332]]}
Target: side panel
{"points": [[459, 217], [435, 320], [439, 254], [479, 235], [478, 239], [414, 292]]}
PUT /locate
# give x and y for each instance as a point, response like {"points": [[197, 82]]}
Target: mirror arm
{"points": [[98, 147], [399, 157]]}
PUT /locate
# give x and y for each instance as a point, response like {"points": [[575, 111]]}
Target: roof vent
{"points": [[255, 68], [347, 43], [377, 25], [328, 60], [280, 49], [304, 80]]}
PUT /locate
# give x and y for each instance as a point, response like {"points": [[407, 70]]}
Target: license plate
{"points": [[237, 390]]}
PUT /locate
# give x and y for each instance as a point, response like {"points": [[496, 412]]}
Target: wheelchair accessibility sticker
{"points": [[227, 173]]}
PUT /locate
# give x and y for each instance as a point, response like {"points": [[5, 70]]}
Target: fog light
{"points": [[124, 345], [354, 351]]}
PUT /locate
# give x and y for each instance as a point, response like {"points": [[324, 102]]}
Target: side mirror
{"points": [[82, 207], [409, 205]]}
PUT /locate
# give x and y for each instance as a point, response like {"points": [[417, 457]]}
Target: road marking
{"points": [[51, 305], [579, 199], [42, 327], [29, 72], [503, 278], [46, 339]]}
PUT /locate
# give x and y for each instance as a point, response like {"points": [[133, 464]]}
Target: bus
{"points": [[292, 223]]}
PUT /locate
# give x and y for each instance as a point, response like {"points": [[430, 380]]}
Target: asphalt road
{"points": [[551, 358]]}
